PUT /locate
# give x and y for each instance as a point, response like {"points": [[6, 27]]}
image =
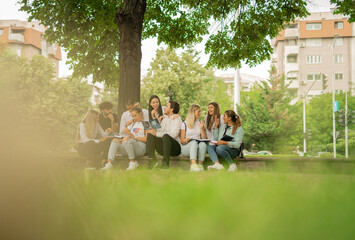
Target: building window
{"points": [[338, 25], [314, 59], [338, 42], [291, 76], [292, 42], [338, 58], [314, 26], [313, 76], [338, 76], [292, 58], [314, 42], [1, 32]]}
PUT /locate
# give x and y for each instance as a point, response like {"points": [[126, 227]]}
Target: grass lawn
{"points": [[176, 204]]}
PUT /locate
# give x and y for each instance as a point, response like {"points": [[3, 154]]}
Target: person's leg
{"points": [[212, 153], [105, 146], [193, 151], [112, 150], [130, 147], [227, 153], [170, 148], [202, 149], [185, 150], [151, 145], [139, 148]]}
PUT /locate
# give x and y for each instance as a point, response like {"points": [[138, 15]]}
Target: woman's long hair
{"points": [[211, 118], [90, 123], [160, 110], [237, 122], [190, 117]]}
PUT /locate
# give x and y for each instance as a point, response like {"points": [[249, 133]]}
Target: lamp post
{"points": [[333, 96], [236, 89]]}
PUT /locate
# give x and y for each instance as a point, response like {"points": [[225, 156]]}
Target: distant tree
{"points": [[181, 78], [320, 120], [102, 35], [346, 7], [45, 109], [266, 116]]}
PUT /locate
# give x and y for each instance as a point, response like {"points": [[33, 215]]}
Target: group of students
{"points": [[219, 135]]}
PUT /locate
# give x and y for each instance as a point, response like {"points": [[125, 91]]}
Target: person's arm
{"points": [[83, 135], [123, 122], [203, 130], [102, 132], [174, 129], [237, 138]]}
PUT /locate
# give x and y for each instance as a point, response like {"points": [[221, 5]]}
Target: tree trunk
{"points": [[129, 20]]}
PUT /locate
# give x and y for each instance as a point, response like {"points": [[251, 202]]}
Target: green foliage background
{"points": [[44, 110], [183, 79]]}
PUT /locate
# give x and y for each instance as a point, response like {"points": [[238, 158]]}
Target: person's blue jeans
{"points": [[223, 151]]}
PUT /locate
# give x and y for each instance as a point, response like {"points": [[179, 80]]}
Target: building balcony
{"points": [[52, 50], [291, 50], [18, 37], [291, 33]]}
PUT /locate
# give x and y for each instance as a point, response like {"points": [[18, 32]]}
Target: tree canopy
{"points": [[238, 30]]}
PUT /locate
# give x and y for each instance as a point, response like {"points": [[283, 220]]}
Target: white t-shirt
{"points": [[137, 129], [126, 117], [194, 132]]}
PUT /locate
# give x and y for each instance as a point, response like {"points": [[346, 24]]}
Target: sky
{"points": [[9, 9]]}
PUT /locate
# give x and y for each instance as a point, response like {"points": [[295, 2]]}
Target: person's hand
{"points": [[117, 140], [110, 116], [175, 116], [109, 130], [153, 132], [216, 123], [160, 118], [129, 123], [202, 125], [221, 142], [103, 139], [187, 140], [154, 113], [126, 130]]}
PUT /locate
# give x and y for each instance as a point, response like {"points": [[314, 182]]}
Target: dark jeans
{"points": [[165, 146], [227, 153], [91, 150]]}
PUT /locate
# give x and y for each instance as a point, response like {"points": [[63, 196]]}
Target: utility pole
{"points": [[333, 97], [346, 125], [236, 89]]}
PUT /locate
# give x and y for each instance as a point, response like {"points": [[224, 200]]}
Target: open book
{"points": [[154, 123], [224, 138], [200, 140]]}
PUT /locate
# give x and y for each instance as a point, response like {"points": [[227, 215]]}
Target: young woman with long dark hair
{"points": [[213, 114], [226, 149]]}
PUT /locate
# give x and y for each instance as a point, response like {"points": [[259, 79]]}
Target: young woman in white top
{"points": [[91, 139], [132, 146], [213, 115], [193, 130]]}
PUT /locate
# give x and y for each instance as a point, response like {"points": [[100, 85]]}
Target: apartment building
{"points": [[322, 43], [27, 39]]}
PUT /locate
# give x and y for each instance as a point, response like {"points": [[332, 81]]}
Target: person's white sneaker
{"points": [[107, 166], [132, 166], [232, 167], [201, 167], [194, 168], [216, 166]]}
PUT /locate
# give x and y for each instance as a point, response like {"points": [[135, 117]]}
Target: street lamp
{"points": [[333, 96]]}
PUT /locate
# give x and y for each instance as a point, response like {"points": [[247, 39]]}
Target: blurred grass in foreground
{"points": [[176, 204]]}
